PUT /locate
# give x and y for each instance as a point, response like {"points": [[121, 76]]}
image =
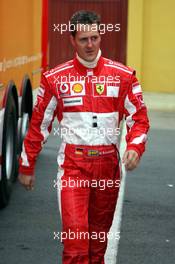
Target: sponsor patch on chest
{"points": [[71, 89], [106, 89], [73, 101]]}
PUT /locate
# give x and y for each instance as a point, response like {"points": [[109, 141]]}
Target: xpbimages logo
{"points": [[102, 28], [80, 235], [102, 132], [101, 184]]}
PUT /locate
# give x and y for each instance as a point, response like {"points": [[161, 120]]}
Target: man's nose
{"points": [[89, 44]]}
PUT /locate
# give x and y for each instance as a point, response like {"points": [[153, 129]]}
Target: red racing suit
{"points": [[90, 104]]}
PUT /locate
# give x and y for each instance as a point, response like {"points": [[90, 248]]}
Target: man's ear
{"points": [[72, 40]]}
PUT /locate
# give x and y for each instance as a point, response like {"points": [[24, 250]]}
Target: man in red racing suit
{"points": [[90, 111]]}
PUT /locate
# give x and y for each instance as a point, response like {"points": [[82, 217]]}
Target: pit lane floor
{"points": [[148, 221], [28, 224]]}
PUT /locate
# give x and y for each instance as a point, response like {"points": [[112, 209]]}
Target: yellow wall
{"points": [[134, 43], [151, 43], [20, 31], [37, 27]]}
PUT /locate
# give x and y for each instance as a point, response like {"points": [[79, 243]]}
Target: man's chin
{"points": [[90, 58]]}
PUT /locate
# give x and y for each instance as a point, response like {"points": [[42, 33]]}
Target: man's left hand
{"points": [[130, 159]]}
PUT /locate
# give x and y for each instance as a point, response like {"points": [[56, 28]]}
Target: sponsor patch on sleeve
{"points": [[136, 89], [140, 100]]}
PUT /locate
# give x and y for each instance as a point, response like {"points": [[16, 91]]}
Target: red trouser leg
{"points": [[74, 207], [102, 205], [87, 210], [75, 220]]}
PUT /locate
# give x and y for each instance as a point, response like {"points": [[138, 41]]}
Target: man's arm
{"points": [[137, 124], [39, 130]]}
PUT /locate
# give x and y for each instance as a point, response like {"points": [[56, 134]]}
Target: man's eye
{"points": [[94, 38], [83, 40]]}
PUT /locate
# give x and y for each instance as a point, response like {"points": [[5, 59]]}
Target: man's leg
{"points": [[74, 207], [102, 205]]}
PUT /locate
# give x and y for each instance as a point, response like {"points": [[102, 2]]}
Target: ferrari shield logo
{"points": [[99, 88]]}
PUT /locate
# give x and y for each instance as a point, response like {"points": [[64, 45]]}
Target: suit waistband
{"points": [[91, 151]]}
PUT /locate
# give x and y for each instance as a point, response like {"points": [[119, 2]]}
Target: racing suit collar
{"points": [[82, 70], [91, 64]]}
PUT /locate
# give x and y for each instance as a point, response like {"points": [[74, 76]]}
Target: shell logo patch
{"points": [[77, 88]]}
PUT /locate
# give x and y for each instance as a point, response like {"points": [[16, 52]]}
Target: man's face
{"points": [[86, 41]]}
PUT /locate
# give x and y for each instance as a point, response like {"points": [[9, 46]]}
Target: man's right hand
{"points": [[27, 181]]}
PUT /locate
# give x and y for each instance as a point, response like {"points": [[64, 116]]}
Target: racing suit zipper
{"points": [[90, 93]]}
